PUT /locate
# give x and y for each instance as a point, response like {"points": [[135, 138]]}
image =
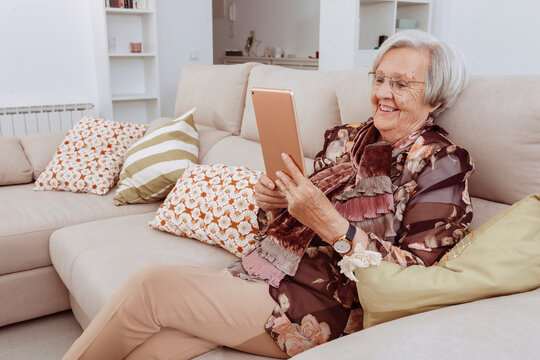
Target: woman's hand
{"points": [[269, 197], [308, 204]]}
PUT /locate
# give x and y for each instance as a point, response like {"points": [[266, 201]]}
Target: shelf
{"points": [[129, 55], [134, 97], [295, 63], [129, 11], [128, 83], [412, 2], [362, 2]]}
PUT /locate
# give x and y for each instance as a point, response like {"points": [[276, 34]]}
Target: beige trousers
{"points": [[176, 312]]}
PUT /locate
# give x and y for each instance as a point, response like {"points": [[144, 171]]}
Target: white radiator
{"points": [[23, 120]]}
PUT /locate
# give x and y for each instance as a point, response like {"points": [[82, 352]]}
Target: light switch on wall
{"points": [[194, 54]]}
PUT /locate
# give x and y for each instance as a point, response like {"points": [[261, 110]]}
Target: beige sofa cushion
{"points": [[483, 210], [237, 151], [40, 149], [353, 93], [95, 259], [208, 137], [24, 244], [497, 119], [217, 91], [315, 101], [499, 328], [14, 166]]}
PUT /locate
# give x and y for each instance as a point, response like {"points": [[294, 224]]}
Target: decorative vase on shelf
{"points": [[251, 44]]}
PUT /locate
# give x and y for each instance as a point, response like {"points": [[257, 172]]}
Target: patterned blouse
{"points": [[432, 212]]}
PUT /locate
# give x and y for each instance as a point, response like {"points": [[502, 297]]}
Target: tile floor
{"points": [[45, 338]]}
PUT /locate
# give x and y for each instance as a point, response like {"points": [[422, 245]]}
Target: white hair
{"points": [[447, 74]]}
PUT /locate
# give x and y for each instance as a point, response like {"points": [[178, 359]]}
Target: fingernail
{"points": [[283, 155]]}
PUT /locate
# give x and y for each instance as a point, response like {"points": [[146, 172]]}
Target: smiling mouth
{"points": [[387, 109]]}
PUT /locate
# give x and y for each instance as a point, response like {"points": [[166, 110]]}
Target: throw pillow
{"points": [[154, 163], [214, 204], [14, 166], [90, 157], [500, 257]]}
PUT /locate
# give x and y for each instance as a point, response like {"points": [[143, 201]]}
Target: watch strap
{"points": [[351, 232]]}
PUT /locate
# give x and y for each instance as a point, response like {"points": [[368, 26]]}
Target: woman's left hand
{"points": [[308, 204]]}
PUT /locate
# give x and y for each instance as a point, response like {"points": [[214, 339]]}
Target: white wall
{"points": [[46, 53], [497, 36], [339, 32], [184, 29], [292, 25]]}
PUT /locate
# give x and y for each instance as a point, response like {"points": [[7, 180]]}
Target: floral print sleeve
{"points": [[433, 209]]}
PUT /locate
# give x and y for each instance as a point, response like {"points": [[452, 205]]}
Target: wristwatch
{"points": [[343, 244]]}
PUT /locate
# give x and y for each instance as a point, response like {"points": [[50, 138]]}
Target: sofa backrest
{"points": [[314, 97], [497, 119], [217, 91]]}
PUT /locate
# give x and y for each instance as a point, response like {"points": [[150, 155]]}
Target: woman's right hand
{"points": [[268, 196]]}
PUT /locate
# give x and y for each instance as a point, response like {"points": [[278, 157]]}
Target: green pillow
{"points": [[154, 163], [500, 257]]}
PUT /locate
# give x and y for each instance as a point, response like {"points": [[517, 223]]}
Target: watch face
{"points": [[342, 246]]}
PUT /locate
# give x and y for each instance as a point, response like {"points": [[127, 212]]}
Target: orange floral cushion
{"points": [[214, 204], [90, 158]]}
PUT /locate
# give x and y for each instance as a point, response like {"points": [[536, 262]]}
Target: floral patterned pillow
{"points": [[90, 157], [214, 204]]}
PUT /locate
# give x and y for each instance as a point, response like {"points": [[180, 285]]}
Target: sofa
{"points": [[61, 250]]}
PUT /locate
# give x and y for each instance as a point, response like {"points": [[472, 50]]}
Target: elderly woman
{"points": [[393, 188]]}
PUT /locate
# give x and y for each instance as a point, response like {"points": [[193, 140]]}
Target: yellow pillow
{"points": [[501, 257]]}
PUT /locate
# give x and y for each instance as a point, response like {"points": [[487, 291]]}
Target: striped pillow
{"points": [[154, 163]]}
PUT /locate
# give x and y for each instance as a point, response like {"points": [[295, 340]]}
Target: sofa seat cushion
{"points": [[29, 218], [503, 327], [238, 151], [95, 259]]}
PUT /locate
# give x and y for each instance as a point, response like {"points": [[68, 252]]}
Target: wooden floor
{"points": [[45, 338]]}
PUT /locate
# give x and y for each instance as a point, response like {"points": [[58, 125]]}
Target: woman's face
{"points": [[397, 116]]}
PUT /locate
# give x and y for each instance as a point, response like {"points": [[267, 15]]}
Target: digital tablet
{"points": [[278, 129]]}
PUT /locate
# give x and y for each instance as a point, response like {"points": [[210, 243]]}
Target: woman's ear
{"points": [[433, 108]]}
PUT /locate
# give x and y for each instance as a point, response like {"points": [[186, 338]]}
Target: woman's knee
{"points": [[150, 274]]}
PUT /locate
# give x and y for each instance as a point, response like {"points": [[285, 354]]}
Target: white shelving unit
{"points": [[378, 17], [128, 83]]}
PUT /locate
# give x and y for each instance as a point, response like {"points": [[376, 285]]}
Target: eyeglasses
{"points": [[398, 85]]}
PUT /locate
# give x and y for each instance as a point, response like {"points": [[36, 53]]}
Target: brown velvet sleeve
{"points": [[437, 214]]}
